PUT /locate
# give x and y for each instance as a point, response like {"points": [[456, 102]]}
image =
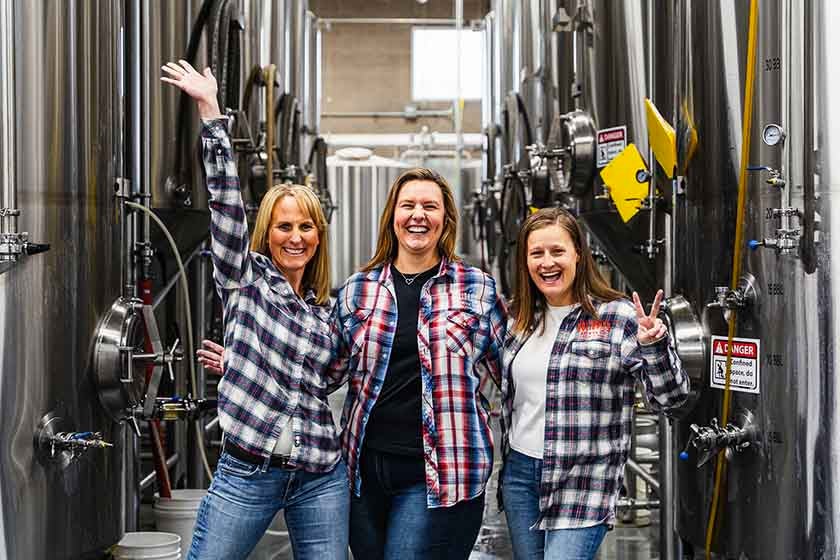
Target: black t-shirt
{"points": [[394, 425]]}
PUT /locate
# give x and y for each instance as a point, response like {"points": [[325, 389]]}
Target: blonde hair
{"points": [[317, 273], [529, 303], [387, 245]]}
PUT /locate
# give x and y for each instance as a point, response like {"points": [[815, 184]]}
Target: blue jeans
{"points": [[244, 498], [390, 520], [521, 496]]}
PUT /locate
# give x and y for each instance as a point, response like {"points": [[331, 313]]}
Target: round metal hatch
{"points": [[689, 339], [120, 333], [578, 138]]}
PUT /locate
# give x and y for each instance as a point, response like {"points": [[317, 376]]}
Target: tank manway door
{"points": [[690, 343], [119, 361]]}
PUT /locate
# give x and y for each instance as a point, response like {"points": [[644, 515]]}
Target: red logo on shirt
{"points": [[593, 329]]}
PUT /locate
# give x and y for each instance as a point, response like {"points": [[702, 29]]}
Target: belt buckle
{"points": [[283, 461]]}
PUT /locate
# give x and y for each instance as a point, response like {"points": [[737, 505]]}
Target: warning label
{"points": [[744, 375], [611, 142]]}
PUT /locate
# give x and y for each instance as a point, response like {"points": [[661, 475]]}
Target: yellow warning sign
{"points": [[662, 139], [625, 189]]}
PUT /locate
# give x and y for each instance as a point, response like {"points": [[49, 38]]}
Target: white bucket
{"points": [[177, 514], [148, 546]]}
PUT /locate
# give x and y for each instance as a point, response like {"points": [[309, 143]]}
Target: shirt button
{"points": [[218, 151], [297, 441]]}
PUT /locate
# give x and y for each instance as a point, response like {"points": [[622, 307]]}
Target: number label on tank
{"points": [[772, 64], [775, 360], [744, 372], [775, 289]]}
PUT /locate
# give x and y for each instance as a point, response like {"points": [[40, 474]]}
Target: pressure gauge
{"points": [[773, 134]]}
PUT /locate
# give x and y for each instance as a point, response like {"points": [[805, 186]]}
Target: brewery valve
{"points": [[14, 245], [182, 408], [786, 241], [774, 179], [714, 438], [728, 300], [76, 443]]}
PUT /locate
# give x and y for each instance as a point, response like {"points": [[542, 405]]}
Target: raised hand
{"points": [[211, 356], [201, 87], [651, 327]]}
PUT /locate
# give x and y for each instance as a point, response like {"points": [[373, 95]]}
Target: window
{"points": [[434, 67]]}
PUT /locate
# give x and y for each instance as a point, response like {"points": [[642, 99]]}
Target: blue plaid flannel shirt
{"points": [[277, 345], [589, 404]]}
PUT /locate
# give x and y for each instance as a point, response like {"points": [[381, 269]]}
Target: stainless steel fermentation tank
{"points": [[68, 131], [360, 189], [85, 121], [780, 497]]}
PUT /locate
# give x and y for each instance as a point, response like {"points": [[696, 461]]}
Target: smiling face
{"points": [[292, 238], [418, 218], [552, 262]]}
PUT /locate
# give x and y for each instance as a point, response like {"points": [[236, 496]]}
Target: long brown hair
{"points": [[316, 275], [387, 245], [529, 303]]}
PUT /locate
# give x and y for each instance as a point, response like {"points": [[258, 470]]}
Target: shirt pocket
{"points": [[460, 327], [358, 328], [589, 361]]}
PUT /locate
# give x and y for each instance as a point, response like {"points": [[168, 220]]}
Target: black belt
{"points": [[277, 461]]}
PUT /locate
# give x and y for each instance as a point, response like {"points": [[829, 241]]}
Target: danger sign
{"points": [[744, 374], [611, 142]]}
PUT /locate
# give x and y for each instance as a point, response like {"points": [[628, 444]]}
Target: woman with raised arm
{"points": [[574, 351], [280, 448], [420, 333]]}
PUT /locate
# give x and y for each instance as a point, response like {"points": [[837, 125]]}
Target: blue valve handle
{"points": [[754, 244], [683, 455], [757, 168], [82, 435]]}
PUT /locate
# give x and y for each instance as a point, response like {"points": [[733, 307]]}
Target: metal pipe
{"points": [[438, 140], [147, 480], [161, 295], [195, 466], [630, 503], [8, 203], [443, 22], [409, 115], [652, 247], [459, 101], [211, 424], [643, 474], [667, 491], [807, 245]]}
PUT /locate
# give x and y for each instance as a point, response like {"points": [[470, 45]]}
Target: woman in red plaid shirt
{"points": [[419, 333], [574, 352]]}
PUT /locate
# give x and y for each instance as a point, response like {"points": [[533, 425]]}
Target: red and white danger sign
{"points": [[745, 375], [611, 142]]}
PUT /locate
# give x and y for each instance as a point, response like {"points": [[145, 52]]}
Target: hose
{"points": [[224, 53], [720, 467], [270, 72], [190, 349]]}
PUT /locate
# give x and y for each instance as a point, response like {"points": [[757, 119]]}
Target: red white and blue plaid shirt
{"points": [[277, 345], [588, 409], [460, 331]]}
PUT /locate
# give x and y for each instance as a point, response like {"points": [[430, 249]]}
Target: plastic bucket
{"points": [[148, 546], [177, 514]]}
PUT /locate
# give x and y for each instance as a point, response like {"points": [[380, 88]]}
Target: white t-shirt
{"points": [[530, 371]]}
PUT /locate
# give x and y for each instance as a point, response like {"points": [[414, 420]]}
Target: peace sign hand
{"points": [[201, 87], [651, 327]]}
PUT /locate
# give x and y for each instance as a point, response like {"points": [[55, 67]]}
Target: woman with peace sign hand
{"points": [[574, 350]]}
